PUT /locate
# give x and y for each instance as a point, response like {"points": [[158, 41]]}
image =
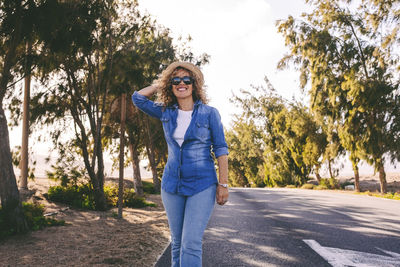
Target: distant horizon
{"points": [[42, 167], [346, 171]]}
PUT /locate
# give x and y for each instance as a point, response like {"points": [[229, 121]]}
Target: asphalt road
{"points": [[291, 227]]}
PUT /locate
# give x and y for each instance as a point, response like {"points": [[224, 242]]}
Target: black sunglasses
{"points": [[186, 80]]}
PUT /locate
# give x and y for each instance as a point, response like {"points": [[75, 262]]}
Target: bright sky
{"points": [[241, 38]]}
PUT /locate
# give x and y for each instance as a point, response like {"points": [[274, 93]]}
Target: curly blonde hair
{"points": [[163, 83]]}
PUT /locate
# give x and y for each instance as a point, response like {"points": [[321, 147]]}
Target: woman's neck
{"points": [[186, 104]]}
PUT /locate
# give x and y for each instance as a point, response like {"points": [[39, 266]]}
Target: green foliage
{"points": [[274, 142], [79, 196], [82, 196], [16, 158], [129, 198], [60, 174], [125, 51], [245, 155], [132, 201], [395, 196], [349, 55], [392, 195], [148, 188], [277, 169], [67, 169], [34, 217], [330, 183]]}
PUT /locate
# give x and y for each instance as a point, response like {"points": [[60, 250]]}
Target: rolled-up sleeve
{"points": [[219, 144], [147, 106]]}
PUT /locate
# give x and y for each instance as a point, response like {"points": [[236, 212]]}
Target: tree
{"points": [[22, 22], [121, 155], [316, 139], [84, 82], [12, 37], [260, 107], [384, 17], [245, 154], [291, 142], [133, 132], [137, 66], [299, 139], [25, 122], [351, 76]]}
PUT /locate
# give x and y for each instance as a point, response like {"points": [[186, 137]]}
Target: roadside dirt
{"points": [[90, 238]]}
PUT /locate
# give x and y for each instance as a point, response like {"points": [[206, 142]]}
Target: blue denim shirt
{"points": [[190, 167]]}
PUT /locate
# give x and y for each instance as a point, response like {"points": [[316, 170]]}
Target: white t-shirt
{"points": [[183, 121]]}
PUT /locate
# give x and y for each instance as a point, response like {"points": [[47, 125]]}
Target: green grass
{"points": [[391, 195], [327, 185]]}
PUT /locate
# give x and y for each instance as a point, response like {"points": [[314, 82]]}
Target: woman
{"points": [[192, 130]]}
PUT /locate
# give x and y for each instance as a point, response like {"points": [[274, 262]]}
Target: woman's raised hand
{"points": [[148, 91]]}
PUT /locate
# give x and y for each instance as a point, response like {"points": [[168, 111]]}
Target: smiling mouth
{"points": [[181, 89]]}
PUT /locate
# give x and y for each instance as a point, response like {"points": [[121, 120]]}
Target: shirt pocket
{"points": [[202, 131]]}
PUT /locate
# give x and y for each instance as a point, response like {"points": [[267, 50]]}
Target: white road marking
{"points": [[343, 257]]}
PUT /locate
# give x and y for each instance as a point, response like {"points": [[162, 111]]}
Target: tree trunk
{"points": [[137, 179], [317, 174], [9, 194], [25, 125], [318, 177], [382, 178], [121, 156], [100, 167], [150, 154], [356, 178], [99, 198], [330, 169]]}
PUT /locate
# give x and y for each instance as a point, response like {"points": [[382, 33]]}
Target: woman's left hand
{"points": [[222, 195]]}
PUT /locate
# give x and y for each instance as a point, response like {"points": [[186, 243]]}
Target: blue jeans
{"points": [[188, 217]]}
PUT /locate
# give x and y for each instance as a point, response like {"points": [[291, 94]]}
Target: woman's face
{"points": [[182, 90]]}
